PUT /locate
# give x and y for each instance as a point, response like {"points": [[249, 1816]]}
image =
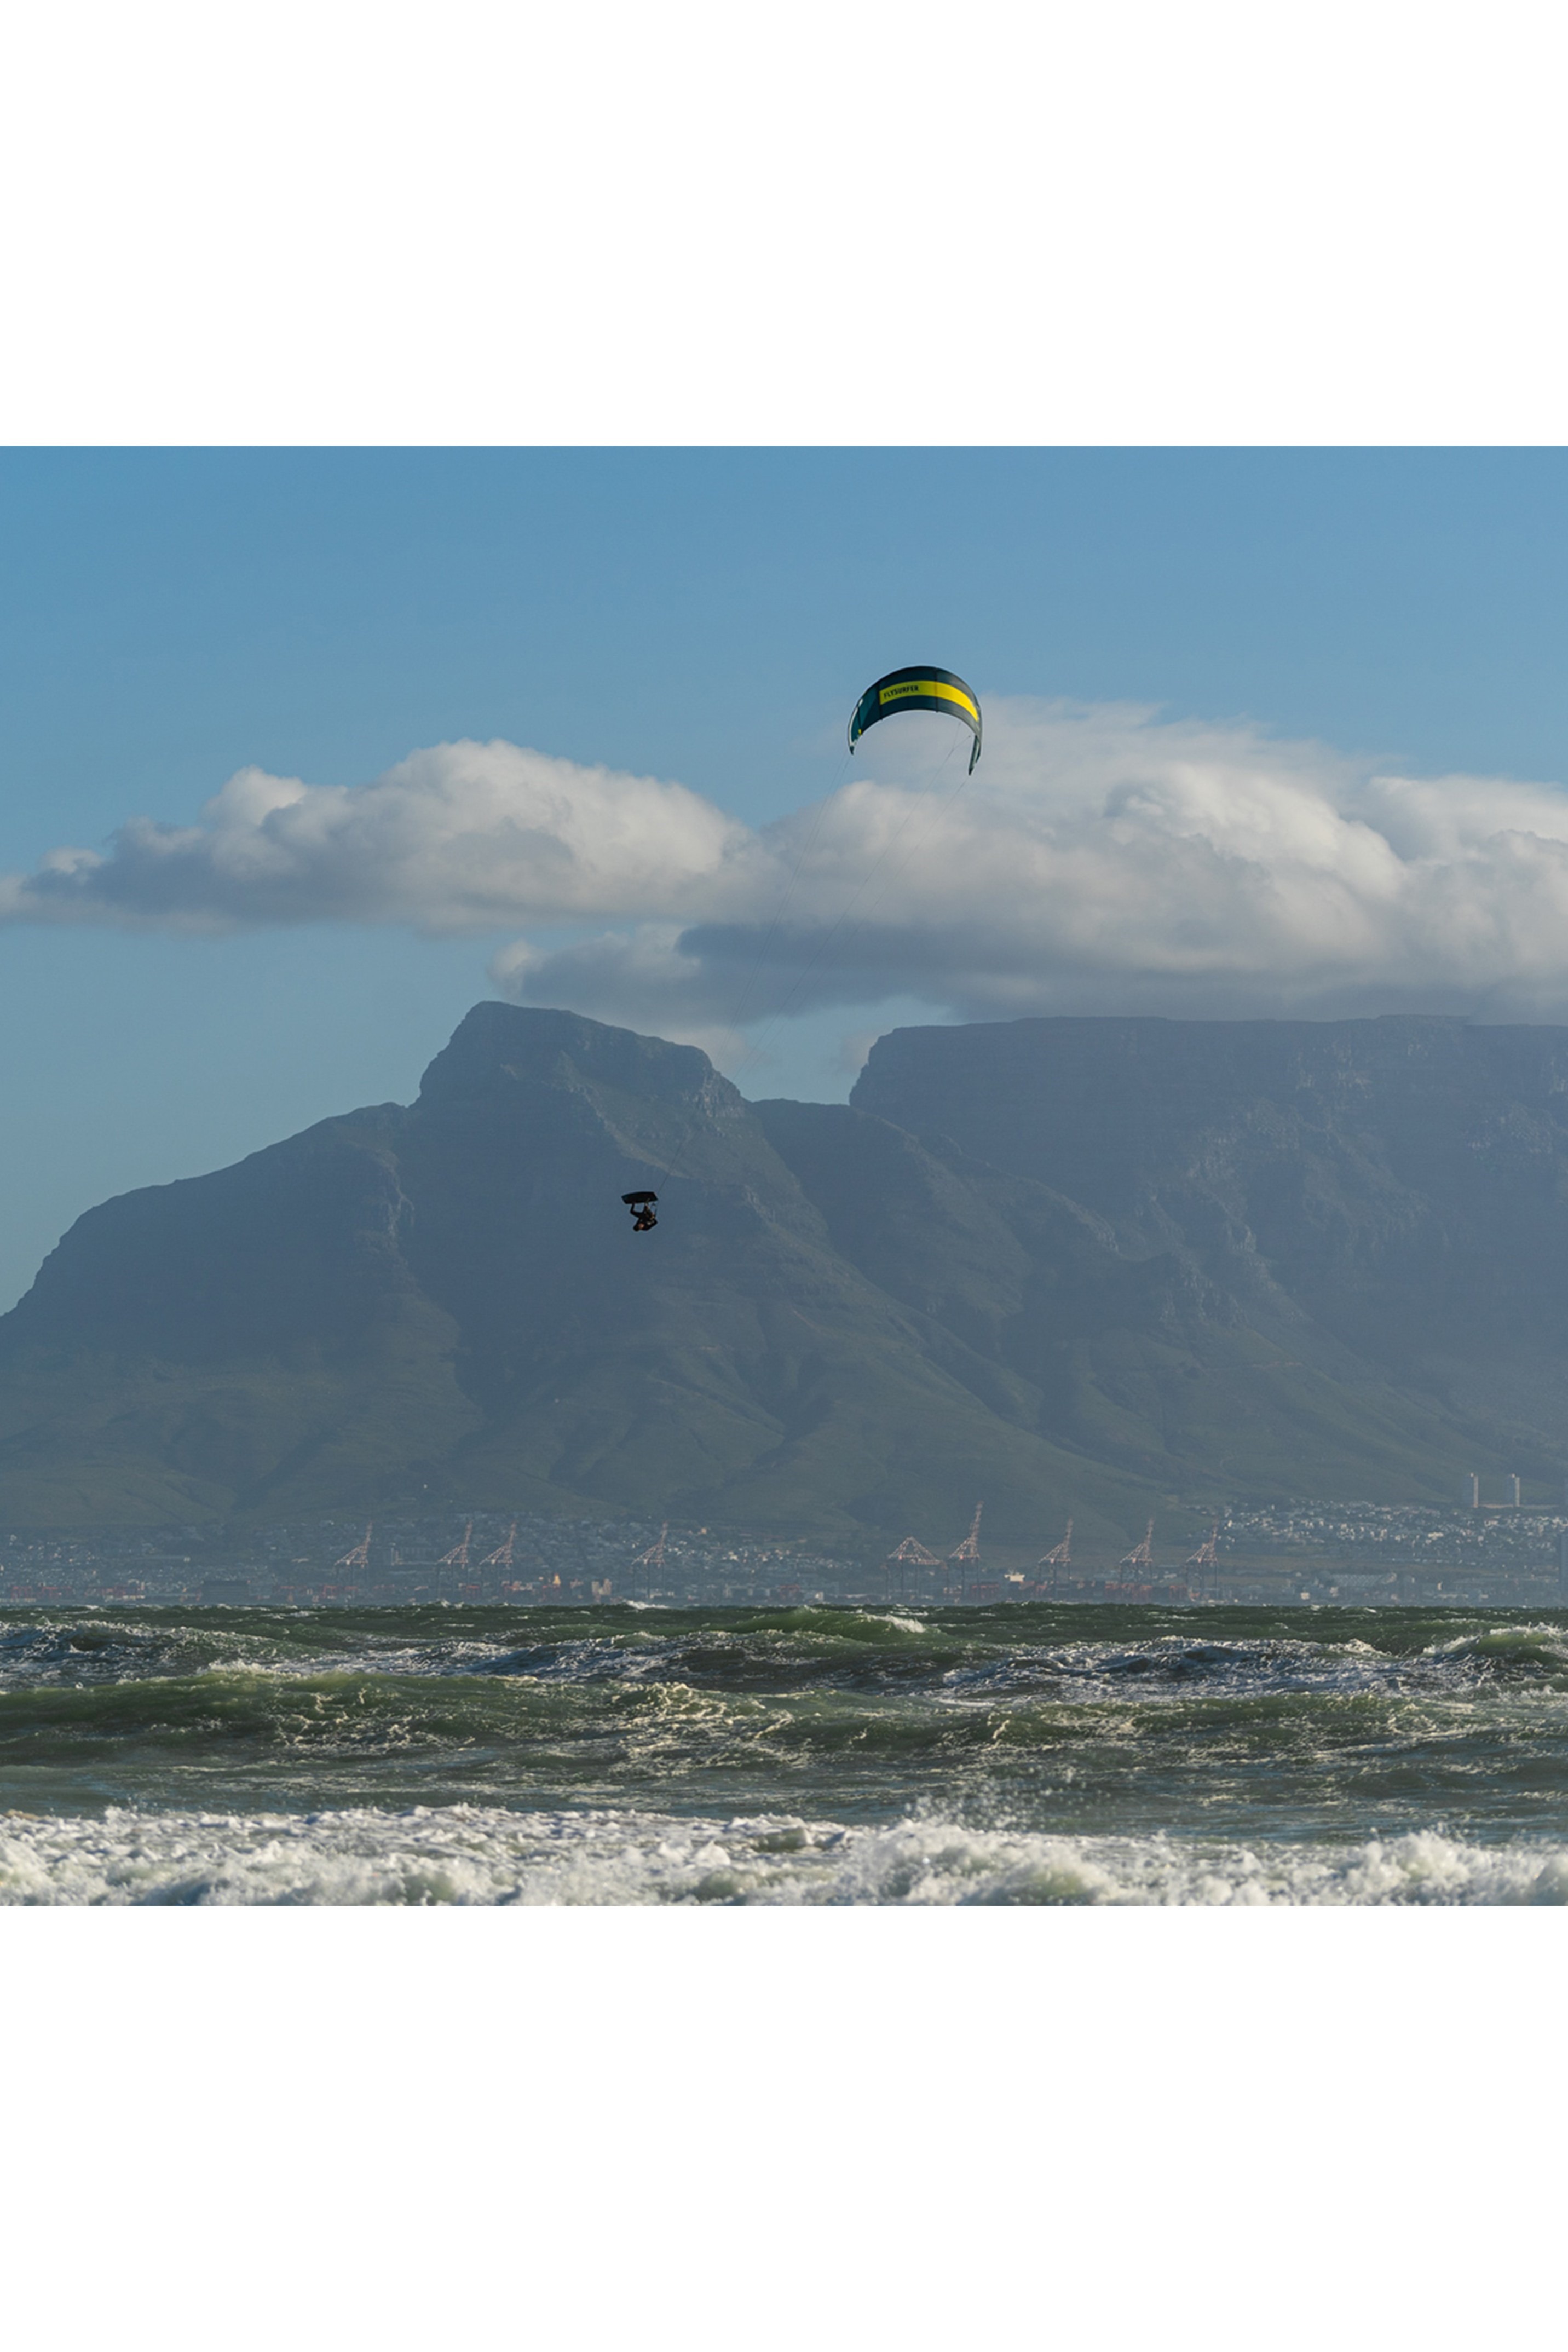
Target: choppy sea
{"points": [[640, 1755]]}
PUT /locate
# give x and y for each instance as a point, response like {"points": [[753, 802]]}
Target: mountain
{"points": [[1068, 1265], [1384, 1201]]}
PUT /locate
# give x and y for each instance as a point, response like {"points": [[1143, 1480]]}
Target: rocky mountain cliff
{"points": [[1067, 1265]]}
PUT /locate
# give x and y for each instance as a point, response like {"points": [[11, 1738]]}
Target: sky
{"points": [[307, 751]]}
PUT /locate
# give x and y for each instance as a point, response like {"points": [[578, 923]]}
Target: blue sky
{"points": [[705, 618]]}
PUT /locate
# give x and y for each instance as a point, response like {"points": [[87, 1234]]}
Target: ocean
{"points": [[632, 1755]]}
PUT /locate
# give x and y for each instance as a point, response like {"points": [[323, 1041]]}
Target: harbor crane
{"points": [[967, 1553], [1205, 1557], [501, 1556], [458, 1557], [1057, 1559], [652, 1560], [1142, 1555], [360, 1556], [500, 1559], [910, 1554]]}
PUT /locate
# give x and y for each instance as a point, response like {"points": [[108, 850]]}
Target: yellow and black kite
{"points": [[918, 689]]}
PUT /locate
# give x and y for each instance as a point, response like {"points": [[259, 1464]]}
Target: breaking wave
{"points": [[809, 1755], [467, 1855]]}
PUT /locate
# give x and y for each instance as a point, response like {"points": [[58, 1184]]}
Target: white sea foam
{"points": [[479, 1856]]}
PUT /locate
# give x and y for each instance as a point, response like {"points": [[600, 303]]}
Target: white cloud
{"points": [[1104, 860], [465, 837], [1100, 859]]}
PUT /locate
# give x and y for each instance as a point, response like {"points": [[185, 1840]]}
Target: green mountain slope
{"points": [[1165, 1267], [446, 1302]]}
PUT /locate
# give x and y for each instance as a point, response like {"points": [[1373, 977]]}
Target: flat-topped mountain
{"points": [[1070, 1266], [1396, 1189]]}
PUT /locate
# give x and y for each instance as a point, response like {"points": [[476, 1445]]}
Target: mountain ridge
{"points": [[1072, 1266]]}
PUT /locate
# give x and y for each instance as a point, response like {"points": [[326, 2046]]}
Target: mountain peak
{"points": [[495, 1045]]}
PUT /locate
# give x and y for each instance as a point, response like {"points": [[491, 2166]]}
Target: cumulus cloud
{"points": [[461, 837], [1100, 859], [1104, 860]]}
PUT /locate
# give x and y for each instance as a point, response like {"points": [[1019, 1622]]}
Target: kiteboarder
{"points": [[641, 1206]]}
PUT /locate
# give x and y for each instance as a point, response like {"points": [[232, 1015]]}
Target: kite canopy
{"points": [[926, 689]]}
